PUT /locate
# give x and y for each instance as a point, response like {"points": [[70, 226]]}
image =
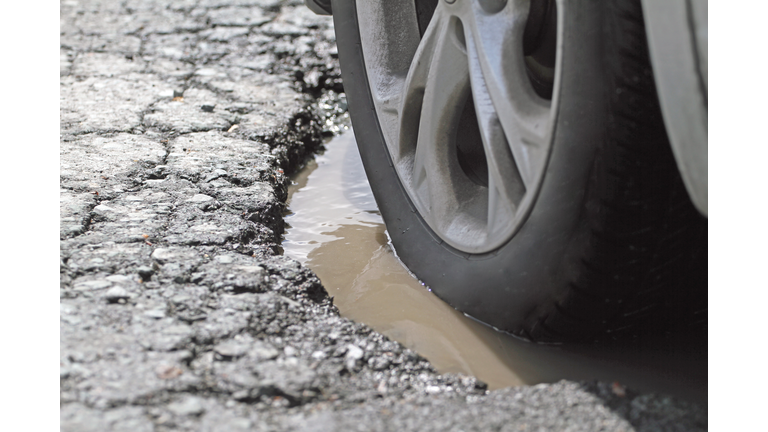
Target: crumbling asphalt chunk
{"points": [[180, 124]]}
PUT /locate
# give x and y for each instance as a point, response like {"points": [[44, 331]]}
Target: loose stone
{"points": [[145, 272], [199, 198], [115, 294], [186, 407]]}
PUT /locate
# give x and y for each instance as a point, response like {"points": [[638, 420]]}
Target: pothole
{"points": [[333, 226]]}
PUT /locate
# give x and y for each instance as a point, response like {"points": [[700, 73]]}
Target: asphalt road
{"points": [[179, 126]]}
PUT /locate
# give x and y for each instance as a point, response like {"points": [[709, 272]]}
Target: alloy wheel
{"points": [[467, 105]]}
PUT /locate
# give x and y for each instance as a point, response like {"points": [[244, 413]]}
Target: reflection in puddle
{"points": [[336, 230]]}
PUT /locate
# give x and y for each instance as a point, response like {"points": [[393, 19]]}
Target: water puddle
{"points": [[336, 230]]}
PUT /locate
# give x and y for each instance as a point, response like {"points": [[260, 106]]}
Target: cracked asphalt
{"points": [[179, 126]]}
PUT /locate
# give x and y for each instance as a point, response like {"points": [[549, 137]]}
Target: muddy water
{"points": [[335, 229]]}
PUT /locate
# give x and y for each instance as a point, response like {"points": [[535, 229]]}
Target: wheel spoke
{"points": [[413, 90], [505, 184], [436, 88], [494, 46]]}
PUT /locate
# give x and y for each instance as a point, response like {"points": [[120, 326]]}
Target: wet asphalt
{"points": [[180, 123]]}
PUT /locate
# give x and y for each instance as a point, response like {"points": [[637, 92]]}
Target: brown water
{"points": [[335, 229]]}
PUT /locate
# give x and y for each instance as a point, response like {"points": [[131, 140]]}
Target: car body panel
{"points": [[677, 39]]}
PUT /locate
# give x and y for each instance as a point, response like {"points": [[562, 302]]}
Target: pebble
{"points": [[180, 299], [378, 363], [200, 198], [102, 208], [264, 352], [145, 272], [115, 294], [354, 352], [186, 407], [93, 285], [224, 259], [155, 313], [240, 395], [163, 254], [231, 349], [120, 279], [206, 72]]}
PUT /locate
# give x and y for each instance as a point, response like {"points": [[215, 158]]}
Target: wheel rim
{"points": [[466, 111]]}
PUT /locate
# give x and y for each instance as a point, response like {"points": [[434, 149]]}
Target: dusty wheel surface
{"points": [[518, 156]]}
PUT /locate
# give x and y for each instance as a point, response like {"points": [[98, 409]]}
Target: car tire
{"points": [[603, 240]]}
